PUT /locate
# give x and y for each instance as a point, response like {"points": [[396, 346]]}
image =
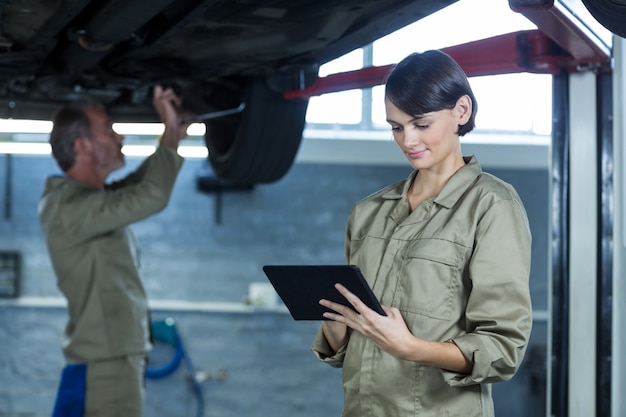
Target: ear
{"points": [[463, 109], [82, 145]]}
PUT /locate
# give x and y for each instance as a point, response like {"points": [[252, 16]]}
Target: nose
{"points": [[410, 137]]}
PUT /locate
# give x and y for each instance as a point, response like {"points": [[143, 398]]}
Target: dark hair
{"points": [[430, 81], [70, 122]]}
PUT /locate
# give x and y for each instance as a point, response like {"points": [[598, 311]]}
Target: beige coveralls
{"points": [[95, 260], [457, 268]]}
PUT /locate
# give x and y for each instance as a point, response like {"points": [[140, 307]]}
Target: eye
{"points": [[396, 128], [422, 125]]}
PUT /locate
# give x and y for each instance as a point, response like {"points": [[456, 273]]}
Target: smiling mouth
{"points": [[416, 154]]}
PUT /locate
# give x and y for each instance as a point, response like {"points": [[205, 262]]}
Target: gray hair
{"points": [[70, 122]]}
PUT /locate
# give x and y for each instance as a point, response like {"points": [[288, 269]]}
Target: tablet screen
{"points": [[301, 287]]}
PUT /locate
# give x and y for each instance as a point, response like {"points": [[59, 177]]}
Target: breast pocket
{"points": [[430, 280]]}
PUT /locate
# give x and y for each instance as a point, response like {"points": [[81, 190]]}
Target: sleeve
{"points": [[499, 311], [148, 192], [324, 353], [320, 346]]}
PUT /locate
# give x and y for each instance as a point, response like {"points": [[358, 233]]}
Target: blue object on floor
{"points": [[70, 400], [165, 332]]}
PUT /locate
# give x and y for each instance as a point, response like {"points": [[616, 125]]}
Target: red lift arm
{"points": [[564, 44]]}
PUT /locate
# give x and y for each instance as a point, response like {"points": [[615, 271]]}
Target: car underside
{"points": [[219, 54]]}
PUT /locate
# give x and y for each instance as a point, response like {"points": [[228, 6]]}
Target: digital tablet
{"points": [[301, 287]]}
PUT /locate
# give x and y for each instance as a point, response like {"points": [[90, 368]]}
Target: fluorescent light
{"points": [[154, 129], [147, 129], [184, 151], [32, 148], [30, 137], [138, 150], [24, 148], [43, 126], [25, 126], [193, 151]]}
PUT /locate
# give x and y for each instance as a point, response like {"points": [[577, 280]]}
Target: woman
{"points": [[447, 252]]}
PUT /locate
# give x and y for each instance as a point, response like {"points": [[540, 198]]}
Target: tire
{"points": [[259, 144], [610, 13]]}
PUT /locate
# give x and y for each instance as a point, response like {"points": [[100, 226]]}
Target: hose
{"points": [[164, 331]]}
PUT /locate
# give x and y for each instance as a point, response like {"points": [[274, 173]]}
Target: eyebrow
{"points": [[414, 119]]}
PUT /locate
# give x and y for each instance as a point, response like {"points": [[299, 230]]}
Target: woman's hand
{"points": [[392, 335], [389, 332], [336, 334]]}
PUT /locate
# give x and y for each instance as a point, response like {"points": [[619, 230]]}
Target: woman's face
{"points": [[429, 141]]}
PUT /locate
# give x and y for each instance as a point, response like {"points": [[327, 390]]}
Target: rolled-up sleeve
{"points": [[322, 350], [499, 312]]}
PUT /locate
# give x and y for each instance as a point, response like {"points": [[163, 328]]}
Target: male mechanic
{"points": [[86, 226]]}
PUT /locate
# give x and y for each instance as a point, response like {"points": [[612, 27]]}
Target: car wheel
{"points": [[259, 144], [610, 13]]}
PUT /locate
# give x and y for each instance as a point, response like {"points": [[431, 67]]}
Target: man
{"points": [[85, 222]]}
